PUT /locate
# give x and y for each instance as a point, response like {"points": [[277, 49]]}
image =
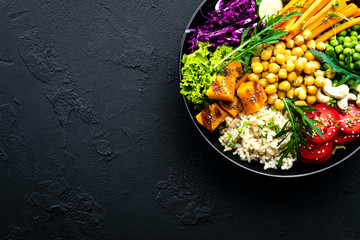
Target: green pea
{"points": [[342, 63], [343, 33], [326, 66], [357, 65], [350, 82], [329, 50], [341, 56], [334, 43], [352, 51], [332, 38], [359, 37], [348, 30], [354, 43], [339, 49], [347, 39], [341, 39], [356, 56], [356, 27], [357, 48], [334, 83], [354, 33], [352, 66], [346, 51], [353, 38], [347, 45]]}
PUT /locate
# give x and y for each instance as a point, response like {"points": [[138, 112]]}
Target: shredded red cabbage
{"points": [[225, 25]]}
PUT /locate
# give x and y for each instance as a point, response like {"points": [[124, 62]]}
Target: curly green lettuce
{"points": [[199, 72]]}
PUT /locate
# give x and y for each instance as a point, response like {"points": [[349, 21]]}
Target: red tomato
{"points": [[350, 120], [344, 139], [329, 117], [320, 160], [317, 151]]}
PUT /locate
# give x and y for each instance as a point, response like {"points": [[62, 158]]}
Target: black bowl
{"points": [[299, 169]]}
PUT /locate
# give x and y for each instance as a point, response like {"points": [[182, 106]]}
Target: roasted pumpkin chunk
{"points": [[233, 108], [234, 70], [252, 96], [211, 117], [223, 88]]}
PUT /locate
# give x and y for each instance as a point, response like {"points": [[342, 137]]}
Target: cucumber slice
{"points": [[269, 7]]}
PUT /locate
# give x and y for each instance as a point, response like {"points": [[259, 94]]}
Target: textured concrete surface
{"points": [[96, 143]]}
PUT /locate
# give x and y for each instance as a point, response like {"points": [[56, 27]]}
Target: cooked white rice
{"points": [[250, 137]]}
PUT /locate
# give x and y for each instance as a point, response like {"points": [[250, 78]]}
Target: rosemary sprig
{"points": [[300, 127], [260, 35]]}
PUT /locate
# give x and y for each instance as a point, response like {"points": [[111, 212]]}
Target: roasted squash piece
{"points": [[211, 117], [233, 108], [241, 80], [223, 88], [252, 96], [234, 70]]}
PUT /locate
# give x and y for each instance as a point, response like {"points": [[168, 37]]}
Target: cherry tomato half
{"points": [[320, 160], [350, 119], [329, 117], [344, 139], [317, 151]]}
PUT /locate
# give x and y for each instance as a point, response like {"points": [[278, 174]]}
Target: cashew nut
{"points": [[322, 98], [357, 88], [335, 92], [358, 100], [343, 103]]}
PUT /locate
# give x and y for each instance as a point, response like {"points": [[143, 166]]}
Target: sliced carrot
{"points": [[325, 10], [310, 12], [288, 7], [338, 29], [357, 14], [331, 22]]}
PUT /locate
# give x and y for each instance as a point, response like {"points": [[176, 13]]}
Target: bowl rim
{"points": [[218, 150]]}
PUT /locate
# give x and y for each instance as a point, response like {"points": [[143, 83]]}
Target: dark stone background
{"points": [[96, 143]]}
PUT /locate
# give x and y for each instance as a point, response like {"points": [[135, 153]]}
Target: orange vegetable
{"points": [[234, 70], [357, 14], [310, 12], [241, 80], [252, 96], [211, 117], [223, 88], [338, 29], [233, 108], [325, 10]]}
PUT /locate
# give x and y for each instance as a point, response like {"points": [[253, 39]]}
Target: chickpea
{"points": [[312, 90], [287, 52], [279, 50], [292, 77], [266, 55], [311, 44], [255, 59], [291, 58], [257, 67], [281, 94], [272, 98], [300, 103], [300, 64], [272, 60], [310, 100], [282, 74], [290, 44], [297, 91], [309, 68], [304, 47], [302, 94], [264, 74], [320, 82], [263, 82], [271, 89], [276, 85], [285, 86], [271, 78], [279, 104], [317, 64], [265, 65], [309, 56], [320, 46], [319, 73], [274, 68], [290, 93], [299, 39], [307, 34], [297, 51], [299, 80], [280, 59], [289, 66], [309, 80], [270, 48], [330, 74], [280, 44], [253, 77]]}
